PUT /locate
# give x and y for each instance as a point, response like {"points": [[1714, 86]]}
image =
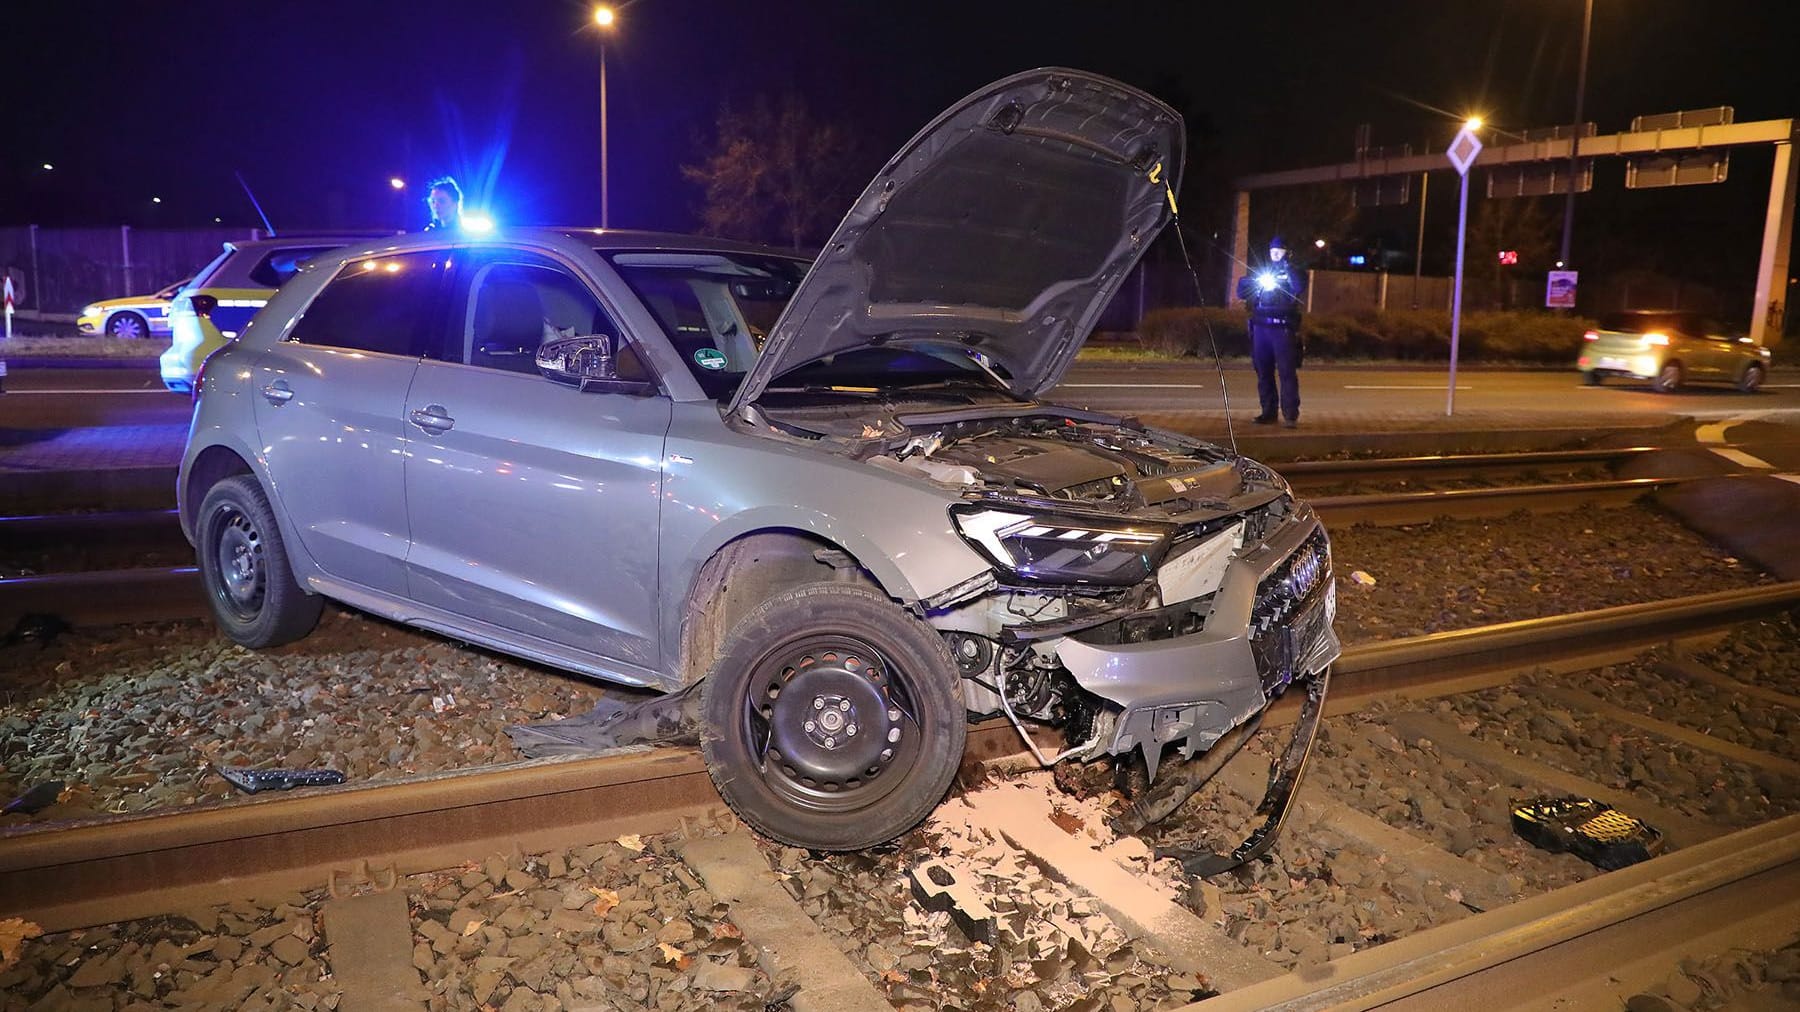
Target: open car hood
{"points": [[1005, 227]]}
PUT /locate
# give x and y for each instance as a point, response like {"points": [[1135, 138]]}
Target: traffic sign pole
{"points": [[1462, 231], [1462, 153]]}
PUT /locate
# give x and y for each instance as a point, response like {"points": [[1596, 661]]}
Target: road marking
{"points": [[1715, 433], [1138, 386], [1795, 478], [103, 390], [1353, 386]]}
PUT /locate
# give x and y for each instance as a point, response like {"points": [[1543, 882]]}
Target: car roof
{"points": [[603, 240], [282, 241]]}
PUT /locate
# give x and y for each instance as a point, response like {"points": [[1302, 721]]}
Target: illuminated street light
{"points": [[1318, 244], [1568, 231], [1474, 123], [604, 18], [48, 167], [396, 182], [155, 200]]}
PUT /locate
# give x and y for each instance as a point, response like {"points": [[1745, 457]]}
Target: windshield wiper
{"points": [[821, 388]]}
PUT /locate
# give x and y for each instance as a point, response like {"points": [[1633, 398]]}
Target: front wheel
{"points": [[833, 719], [129, 326], [244, 568], [1752, 379]]}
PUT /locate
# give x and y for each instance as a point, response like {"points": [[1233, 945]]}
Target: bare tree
{"points": [[1301, 214], [774, 173], [1523, 225]]}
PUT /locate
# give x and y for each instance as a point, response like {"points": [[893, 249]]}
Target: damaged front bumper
{"points": [[1268, 624]]}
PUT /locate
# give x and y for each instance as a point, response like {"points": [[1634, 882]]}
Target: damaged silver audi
{"points": [[821, 503]]}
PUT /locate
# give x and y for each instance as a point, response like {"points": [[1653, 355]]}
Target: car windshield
{"points": [[716, 308]]}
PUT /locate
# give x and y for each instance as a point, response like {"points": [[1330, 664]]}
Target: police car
{"points": [[214, 307], [131, 317]]}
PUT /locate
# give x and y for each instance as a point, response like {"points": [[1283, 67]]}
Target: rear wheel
{"points": [[1752, 379], [129, 326], [1668, 378], [833, 718], [244, 567]]}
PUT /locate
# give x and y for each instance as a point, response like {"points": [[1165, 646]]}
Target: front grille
{"points": [[1289, 610]]}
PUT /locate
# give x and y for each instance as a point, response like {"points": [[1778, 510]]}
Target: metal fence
{"points": [[59, 270]]}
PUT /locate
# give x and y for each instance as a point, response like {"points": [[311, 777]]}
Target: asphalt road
{"points": [[64, 398], [1371, 390]]}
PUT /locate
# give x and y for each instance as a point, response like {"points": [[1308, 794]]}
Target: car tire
{"points": [[244, 567], [833, 718], [128, 326], [1668, 378], [1595, 378], [1752, 379]]}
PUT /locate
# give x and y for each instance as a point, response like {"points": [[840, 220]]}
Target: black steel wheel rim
{"points": [[239, 563], [831, 723]]}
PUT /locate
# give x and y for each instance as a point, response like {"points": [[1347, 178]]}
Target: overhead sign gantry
{"points": [[1778, 225]]}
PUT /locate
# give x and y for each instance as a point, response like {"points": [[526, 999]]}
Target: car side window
{"points": [[392, 305], [517, 302], [274, 269]]}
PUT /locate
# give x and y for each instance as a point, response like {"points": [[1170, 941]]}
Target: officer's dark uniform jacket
{"points": [[1278, 308], [1275, 347]]}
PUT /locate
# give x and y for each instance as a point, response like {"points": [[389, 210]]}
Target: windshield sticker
{"points": [[710, 358]]}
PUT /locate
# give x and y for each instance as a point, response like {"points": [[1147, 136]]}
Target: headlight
{"points": [[1044, 548], [90, 310]]}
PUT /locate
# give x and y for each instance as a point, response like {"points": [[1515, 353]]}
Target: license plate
{"points": [[1612, 363], [1309, 627]]}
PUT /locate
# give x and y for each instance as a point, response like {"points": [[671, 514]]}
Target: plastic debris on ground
{"points": [[1591, 830]]}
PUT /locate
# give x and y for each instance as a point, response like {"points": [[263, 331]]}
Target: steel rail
{"points": [[62, 876], [105, 596], [1389, 509], [132, 526], [1501, 957], [1316, 472], [1301, 472]]}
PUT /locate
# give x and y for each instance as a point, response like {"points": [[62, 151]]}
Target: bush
{"points": [[1403, 334], [1187, 333]]}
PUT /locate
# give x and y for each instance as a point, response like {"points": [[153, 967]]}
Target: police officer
{"points": [[444, 198], [1273, 296]]}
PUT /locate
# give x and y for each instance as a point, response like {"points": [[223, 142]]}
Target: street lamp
{"points": [[396, 182], [604, 18], [1587, 26]]}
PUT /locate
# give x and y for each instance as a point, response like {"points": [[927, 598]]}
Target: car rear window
{"points": [[278, 265], [1641, 322]]}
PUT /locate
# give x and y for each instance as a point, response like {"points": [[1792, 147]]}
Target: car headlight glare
{"points": [[90, 310], [1045, 548]]}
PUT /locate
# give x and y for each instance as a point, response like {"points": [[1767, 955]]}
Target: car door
{"points": [[328, 402], [534, 505]]}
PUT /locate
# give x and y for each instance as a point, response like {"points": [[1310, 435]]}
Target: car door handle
{"points": [[433, 418], [278, 393]]}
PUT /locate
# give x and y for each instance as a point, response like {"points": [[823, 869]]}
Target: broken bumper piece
{"points": [[1278, 800], [1268, 625]]}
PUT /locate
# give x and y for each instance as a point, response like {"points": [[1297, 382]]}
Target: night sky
{"points": [[319, 103]]}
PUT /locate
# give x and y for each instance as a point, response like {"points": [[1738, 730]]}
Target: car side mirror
{"points": [[586, 362]]}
